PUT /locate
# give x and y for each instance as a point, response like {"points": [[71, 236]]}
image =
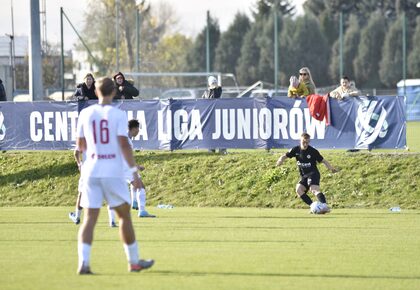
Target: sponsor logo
{"points": [[370, 123], [308, 156], [2, 127]]}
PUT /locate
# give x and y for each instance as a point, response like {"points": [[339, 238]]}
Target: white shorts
{"points": [[113, 190]]}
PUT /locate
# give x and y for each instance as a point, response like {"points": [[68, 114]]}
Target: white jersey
{"points": [[127, 172], [100, 126]]}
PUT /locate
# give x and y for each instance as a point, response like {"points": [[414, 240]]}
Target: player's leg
{"points": [[302, 189], [75, 216], [111, 217], [141, 199], [134, 201], [313, 183], [91, 200], [119, 199], [85, 239]]}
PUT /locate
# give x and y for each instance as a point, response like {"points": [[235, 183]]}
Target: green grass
{"points": [[413, 136], [218, 248], [238, 179]]}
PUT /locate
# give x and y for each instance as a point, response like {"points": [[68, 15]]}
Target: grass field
{"points": [[218, 248]]}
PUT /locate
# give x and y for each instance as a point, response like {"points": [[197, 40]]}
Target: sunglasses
{"points": [[303, 74]]}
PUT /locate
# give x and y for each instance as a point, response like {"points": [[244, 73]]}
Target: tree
{"points": [[311, 48], [414, 55], [247, 69], [390, 67], [227, 51], [196, 56], [351, 40], [366, 64]]}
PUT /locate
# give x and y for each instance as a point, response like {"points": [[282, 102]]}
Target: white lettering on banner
{"points": [[35, 118], [196, 129], [140, 116], [244, 124], [181, 122], [231, 123], [61, 126], [314, 127], [52, 126], [162, 135], [265, 123], [280, 122]]}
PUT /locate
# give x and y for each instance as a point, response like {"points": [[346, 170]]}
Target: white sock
{"points": [[132, 252], [141, 198], [111, 215], [84, 254], [77, 212], [133, 194]]}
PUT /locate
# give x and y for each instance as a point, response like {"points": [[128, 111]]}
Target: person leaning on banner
{"points": [[306, 78], [297, 89], [214, 91], [86, 90], [3, 97], [344, 90], [125, 89]]}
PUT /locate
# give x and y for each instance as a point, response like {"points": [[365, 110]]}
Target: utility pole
{"points": [[276, 50], [208, 43], [13, 52], [35, 62], [404, 48], [117, 32], [341, 45], [62, 53]]}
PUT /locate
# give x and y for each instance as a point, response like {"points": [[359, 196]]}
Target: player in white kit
{"points": [[74, 216], [102, 134], [138, 195]]}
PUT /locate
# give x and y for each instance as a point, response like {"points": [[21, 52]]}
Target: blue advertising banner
{"points": [[365, 123]]}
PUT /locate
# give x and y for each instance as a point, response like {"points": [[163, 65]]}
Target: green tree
{"points": [[311, 48], [414, 55], [247, 69], [351, 40], [229, 47], [390, 67], [366, 64], [196, 57]]}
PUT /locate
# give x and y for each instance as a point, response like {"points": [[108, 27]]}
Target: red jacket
{"points": [[319, 107]]}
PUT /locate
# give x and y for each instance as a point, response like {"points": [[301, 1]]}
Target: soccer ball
{"points": [[319, 208]]}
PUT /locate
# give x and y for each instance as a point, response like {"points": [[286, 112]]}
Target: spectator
{"points": [[214, 91], [2, 92], [125, 89], [344, 90], [297, 89], [86, 90], [306, 78]]}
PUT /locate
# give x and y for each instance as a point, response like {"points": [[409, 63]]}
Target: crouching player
{"points": [[307, 158], [138, 195]]}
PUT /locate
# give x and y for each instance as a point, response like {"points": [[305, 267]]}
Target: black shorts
{"points": [[308, 180]]}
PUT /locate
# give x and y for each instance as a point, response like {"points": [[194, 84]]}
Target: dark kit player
{"points": [[307, 158]]}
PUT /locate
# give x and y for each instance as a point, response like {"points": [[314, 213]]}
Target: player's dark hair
{"points": [[345, 78], [133, 124], [305, 136], [106, 86]]}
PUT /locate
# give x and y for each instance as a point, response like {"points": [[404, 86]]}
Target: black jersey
{"points": [[306, 159]]}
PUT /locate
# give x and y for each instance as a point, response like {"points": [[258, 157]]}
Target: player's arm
{"points": [[77, 157], [127, 152], [329, 166], [281, 160]]}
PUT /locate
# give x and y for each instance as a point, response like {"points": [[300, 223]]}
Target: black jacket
{"points": [[2, 92], [215, 93], [128, 91], [83, 92]]}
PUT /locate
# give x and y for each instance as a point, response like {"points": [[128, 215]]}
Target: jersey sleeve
{"points": [[80, 132], [291, 153], [318, 156], [122, 126]]}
